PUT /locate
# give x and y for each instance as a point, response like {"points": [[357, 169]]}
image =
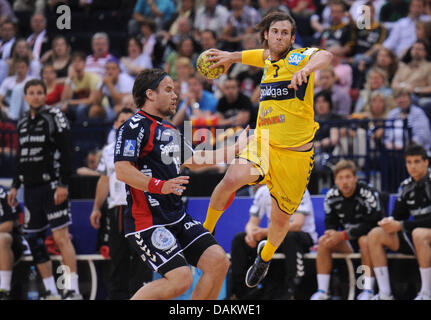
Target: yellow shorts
{"points": [[285, 172]]}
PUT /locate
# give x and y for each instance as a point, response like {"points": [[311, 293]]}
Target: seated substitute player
{"points": [[352, 209], [281, 155], [11, 247], [300, 238], [149, 153], [44, 166], [397, 232]]}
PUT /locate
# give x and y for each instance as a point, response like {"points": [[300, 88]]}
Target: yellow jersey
{"points": [[288, 115]]}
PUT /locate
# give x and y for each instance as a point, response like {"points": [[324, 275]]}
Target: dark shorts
{"points": [[40, 211], [167, 247], [406, 243], [18, 246]]}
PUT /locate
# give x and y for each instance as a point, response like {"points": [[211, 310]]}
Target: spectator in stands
{"points": [[187, 10], [342, 70], [135, 61], [46, 186], [341, 101], [327, 137], [11, 247], [97, 61], [21, 67], [54, 89], [301, 7], [352, 209], [392, 11], [161, 11], [59, 56], [81, 97], [423, 32], [266, 6], [116, 85], [148, 39], [208, 39], [39, 41], [91, 162], [398, 231], [339, 33], [414, 117], [30, 6], [300, 238], [377, 80], [126, 273], [242, 20], [197, 103], [403, 33], [129, 103], [234, 108], [184, 71], [22, 50], [415, 77], [211, 15], [184, 29], [7, 38], [367, 40], [8, 145], [386, 60], [6, 12], [185, 49]]}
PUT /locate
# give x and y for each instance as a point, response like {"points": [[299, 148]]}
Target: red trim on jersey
{"points": [[141, 212], [143, 113], [150, 144]]}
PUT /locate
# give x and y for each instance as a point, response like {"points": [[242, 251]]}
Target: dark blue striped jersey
{"points": [[157, 149]]}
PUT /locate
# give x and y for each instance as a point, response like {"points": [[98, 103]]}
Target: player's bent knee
{"points": [[180, 279], [421, 234], [375, 234], [5, 239]]}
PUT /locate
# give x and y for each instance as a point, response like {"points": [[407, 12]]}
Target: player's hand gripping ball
{"points": [[203, 67]]}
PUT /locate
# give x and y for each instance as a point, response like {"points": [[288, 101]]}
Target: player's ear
{"points": [[292, 41], [150, 94], [265, 35]]}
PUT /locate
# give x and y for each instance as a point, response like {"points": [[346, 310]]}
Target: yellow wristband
{"points": [[253, 58]]}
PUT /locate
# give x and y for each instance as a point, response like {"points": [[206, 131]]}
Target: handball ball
{"points": [[203, 67]]}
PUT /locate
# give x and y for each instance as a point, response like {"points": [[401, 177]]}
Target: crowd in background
{"points": [[380, 70]]}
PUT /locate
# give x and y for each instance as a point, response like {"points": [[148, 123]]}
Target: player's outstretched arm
{"points": [[318, 61], [127, 173], [226, 58], [209, 158]]}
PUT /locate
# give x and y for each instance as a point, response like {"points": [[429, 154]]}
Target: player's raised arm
{"points": [[318, 61]]}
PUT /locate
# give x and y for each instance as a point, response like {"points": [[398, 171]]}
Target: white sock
{"points": [[383, 281], [323, 282], [369, 283], [426, 279], [49, 284], [5, 280]]}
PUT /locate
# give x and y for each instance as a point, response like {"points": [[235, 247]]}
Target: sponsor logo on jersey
{"points": [[295, 58], [276, 91]]}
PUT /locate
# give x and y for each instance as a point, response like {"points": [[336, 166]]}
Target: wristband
{"points": [[345, 235], [155, 186]]}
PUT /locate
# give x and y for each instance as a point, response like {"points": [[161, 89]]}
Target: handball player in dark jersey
{"points": [[149, 154]]}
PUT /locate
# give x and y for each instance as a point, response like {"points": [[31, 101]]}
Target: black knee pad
{"points": [[36, 242]]}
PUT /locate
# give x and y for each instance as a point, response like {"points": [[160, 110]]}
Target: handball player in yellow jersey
{"points": [[281, 155]]}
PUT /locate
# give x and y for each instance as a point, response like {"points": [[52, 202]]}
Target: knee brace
{"points": [[36, 242]]}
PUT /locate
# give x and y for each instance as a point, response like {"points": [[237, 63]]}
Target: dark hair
{"points": [[46, 65], [269, 19], [137, 41], [34, 82], [150, 23], [78, 54], [416, 150], [124, 110], [144, 81], [326, 95], [213, 33], [424, 43], [22, 59]]}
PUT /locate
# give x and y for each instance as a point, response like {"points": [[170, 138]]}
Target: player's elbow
{"points": [[120, 171]]}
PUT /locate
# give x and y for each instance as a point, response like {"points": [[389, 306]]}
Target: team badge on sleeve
{"points": [[129, 148]]}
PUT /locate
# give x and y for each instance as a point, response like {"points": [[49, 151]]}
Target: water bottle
{"points": [[32, 292]]}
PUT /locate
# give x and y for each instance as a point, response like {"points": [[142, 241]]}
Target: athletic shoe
{"points": [[72, 295], [47, 295], [365, 295], [423, 295], [258, 270], [4, 295], [382, 296], [320, 295]]}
